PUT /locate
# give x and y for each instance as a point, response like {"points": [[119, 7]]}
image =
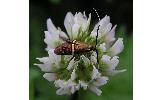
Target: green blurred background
{"points": [[120, 87]]}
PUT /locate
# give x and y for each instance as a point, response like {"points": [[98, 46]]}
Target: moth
{"points": [[71, 47], [74, 47]]}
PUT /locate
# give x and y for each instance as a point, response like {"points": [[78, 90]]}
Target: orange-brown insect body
{"points": [[74, 47]]}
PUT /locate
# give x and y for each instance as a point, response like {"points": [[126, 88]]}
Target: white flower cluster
{"points": [[82, 71]]}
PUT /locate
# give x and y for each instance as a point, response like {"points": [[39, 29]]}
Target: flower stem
{"points": [[75, 96]]}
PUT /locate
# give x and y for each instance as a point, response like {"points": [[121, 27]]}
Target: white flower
{"points": [[52, 35], [94, 58], [49, 62], [117, 47], [97, 80], [95, 90], [74, 23], [46, 66], [85, 60], [100, 81], [83, 84], [71, 63], [50, 76], [105, 27], [95, 74], [103, 47], [72, 72], [67, 87], [111, 64], [73, 75]]}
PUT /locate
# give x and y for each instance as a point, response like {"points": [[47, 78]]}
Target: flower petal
{"points": [[72, 89], [86, 24], [100, 81], [94, 54], [50, 76], [94, 58], [71, 63], [85, 60], [50, 26], [113, 63], [104, 21], [84, 15], [95, 74], [95, 90], [54, 58], [73, 75], [53, 39], [103, 47], [117, 47], [49, 40], [59, 83], [110, 37], [83, 84], [111, 34], [81, 20], [105, 26], [117, 71], [61, 91], [45, 67], [43, 59], [89, 20], [71, 86], [63, 35], [47, 35], [75, 30], [68, 23], [105, 58]]}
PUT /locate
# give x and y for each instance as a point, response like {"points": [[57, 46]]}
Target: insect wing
{"points": [[64, 49]]}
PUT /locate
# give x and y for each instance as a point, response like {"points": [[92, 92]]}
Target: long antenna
{"points": [[97, 13], [97, 33]]}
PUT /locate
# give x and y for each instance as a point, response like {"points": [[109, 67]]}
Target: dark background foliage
{"points": [[121, 13]]}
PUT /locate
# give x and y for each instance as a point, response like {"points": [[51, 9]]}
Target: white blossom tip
{"points": [[50, 76], [117, 47], [35, 64], [95, 90], [71, 63], [49, 20]]}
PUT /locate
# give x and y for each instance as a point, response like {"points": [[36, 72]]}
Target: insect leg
{"points": [[96, 45], [71, 58]]}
